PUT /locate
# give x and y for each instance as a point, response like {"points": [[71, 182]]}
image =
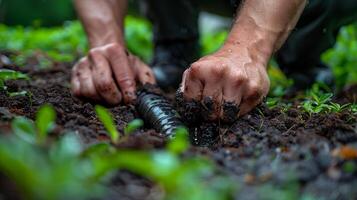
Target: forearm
{"points": [[103, 20], [263, 25]]}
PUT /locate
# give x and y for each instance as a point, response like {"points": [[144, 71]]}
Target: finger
{"points": [[75, 84], [123, 74], [87, 88], [192, 86], [103, 79], [212, 101], [248, 106], [253, 96], [143, 72], [232, 96]]}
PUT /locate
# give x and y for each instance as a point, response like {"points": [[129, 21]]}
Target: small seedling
{"points": [[36, 132], [107, 119], [24, 129], [45, 121], [180, 142], [133, 126], [335, 107], [7, 74], [272, 102]]}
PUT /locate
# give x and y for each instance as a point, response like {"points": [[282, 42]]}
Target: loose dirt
{"points": [[266, 151]]}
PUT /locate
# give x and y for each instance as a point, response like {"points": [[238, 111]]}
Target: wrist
{"points": [[105, 37], [259, 42]]}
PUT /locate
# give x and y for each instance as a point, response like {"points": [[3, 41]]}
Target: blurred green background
{"points": [[50, 26], [36, 12]]}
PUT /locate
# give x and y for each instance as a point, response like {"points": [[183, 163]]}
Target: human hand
{"points": [[109, 74], [228, 83]]}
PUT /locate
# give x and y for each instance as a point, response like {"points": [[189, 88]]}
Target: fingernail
{"points": [[230, 112]]}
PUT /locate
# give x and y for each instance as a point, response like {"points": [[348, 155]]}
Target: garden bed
{"points": [[279, 152]]}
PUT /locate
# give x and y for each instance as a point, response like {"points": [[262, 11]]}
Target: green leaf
{"points": [[96, 149], [16, 94], [45, 121], [7, 74], [106, 118], [24, 129], [133, 126], [180, 142]]}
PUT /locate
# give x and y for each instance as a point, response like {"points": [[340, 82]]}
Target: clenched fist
{"points": [[228, 82], [109, 74]]}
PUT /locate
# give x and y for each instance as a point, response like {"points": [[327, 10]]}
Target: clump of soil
{"points": [[267, 152]]}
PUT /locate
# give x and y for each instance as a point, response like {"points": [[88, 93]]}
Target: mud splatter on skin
{"points": [[208, 109], [230, 112], [188, 109]]}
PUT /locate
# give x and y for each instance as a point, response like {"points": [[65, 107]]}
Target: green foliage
{"points": [[279, 83], [63, 169], [138, 36], [55, 172], [353, 108], [35, 132], [25, 129], [60, 43], [45, 121], [6, 74], [133, 126], [180, 142], [342, 58], [317, 101], [212, 41], [106, 118]]}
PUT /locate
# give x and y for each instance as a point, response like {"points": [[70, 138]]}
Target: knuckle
{"points": [[126, 81], [114, 49], [216, 70], [82, 65], [194, 72], [195, 68], [238, 80], [93, 53], [255, 92]]}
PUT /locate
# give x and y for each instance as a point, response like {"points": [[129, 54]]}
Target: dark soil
{"points": [[266, 151]]}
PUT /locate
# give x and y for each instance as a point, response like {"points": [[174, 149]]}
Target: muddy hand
{"points": [[227, 83], [109, 74]]}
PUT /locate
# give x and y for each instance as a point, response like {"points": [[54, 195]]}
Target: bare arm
{"points": [[264, 25], [102, 20], [108, 74], [236, 74]]}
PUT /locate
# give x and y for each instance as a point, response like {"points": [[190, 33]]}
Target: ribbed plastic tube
{"points": [[158, 112]]}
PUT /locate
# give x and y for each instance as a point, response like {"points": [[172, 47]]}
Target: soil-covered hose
{"points": [[158, 112]]}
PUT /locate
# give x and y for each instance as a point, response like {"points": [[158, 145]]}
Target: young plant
{"points": [[335, 107], [133, 126], [35, 132], [353, 108], [7, 74], [106, 118], [316, 101]]}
